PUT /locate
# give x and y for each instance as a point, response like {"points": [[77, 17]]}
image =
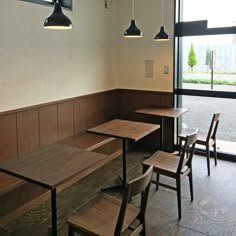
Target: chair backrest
{"points": [[213, 127], [140, 185], [187, 151]]}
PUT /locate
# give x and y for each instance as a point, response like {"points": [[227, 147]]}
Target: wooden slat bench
{"points": [[94, 142], [18, 196]]}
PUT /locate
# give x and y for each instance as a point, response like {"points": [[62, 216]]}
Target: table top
{"points": [[52, 165], [162, 111], [125, 129]]}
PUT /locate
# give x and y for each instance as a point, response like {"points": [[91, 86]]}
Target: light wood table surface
{"points": [[162, 112], [127, 131]]}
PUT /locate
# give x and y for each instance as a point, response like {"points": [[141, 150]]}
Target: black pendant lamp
{"points": [[133, 31], [162, 35], [57, 20]]}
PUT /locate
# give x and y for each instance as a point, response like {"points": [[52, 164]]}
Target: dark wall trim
{"points": [[206, 93]]}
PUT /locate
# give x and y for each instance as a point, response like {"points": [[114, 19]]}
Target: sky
{"points": [[217, 12]]}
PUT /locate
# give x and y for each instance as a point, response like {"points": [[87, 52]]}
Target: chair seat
{"points": [[164, 161], [99, 215], [201, 138]]}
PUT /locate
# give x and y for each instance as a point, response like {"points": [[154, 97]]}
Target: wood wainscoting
{"points": [[131, 100], [26, 129]]}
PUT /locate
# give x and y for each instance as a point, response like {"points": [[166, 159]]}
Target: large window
{"points": [[205, 65], [209, 63], [67, 4]]}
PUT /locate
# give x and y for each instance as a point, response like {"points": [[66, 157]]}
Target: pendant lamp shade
{"points": [[162, 35], [133, 31], [57, 20]]}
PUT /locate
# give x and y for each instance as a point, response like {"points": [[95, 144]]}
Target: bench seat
{"points": [[87, 141]]}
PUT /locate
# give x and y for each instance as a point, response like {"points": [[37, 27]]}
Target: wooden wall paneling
{"points": [[126, 101], [27, 130], [48, 124], [93, 108], [132, 100], [80, 115], [108, 106], [103, 107], [65, 120], [114, 105], [153, 99], [167, 100], [8, 136]]}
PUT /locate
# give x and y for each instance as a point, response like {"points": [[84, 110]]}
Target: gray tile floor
{"points": [[213, 211]]}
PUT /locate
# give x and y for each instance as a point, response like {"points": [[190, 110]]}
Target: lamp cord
{"points": [[162, 6], [133, 9]]}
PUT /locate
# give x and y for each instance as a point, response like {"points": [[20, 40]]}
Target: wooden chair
{"points": [[105, 215], [174, 166], [206, 139]]}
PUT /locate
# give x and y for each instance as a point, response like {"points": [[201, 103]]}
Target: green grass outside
{"points": [[209, 72], [208, 81]]}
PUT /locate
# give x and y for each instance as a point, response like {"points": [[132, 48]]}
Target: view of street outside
{"points": [[208, 62], [217, 71], [200, 113]]}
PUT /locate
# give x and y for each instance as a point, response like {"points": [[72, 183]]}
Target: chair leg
{"points": [[70, 231], [157, 183], [180, 145], [215, 153], [143, 232], [208, 160], [178, 185], [190, 175]]}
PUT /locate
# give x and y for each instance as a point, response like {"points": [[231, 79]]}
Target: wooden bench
{"points": [[94, 142], [18, 196]]}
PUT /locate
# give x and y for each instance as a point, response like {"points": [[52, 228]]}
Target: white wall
{"points": [[133, 52], [39, 65]]}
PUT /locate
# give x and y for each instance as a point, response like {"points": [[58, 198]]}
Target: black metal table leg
{"points": [[122, 180], [54, 211], [161, 133]]}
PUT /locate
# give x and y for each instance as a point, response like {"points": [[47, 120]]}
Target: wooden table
{"points": [[127, 131], [52, 166], [162, 113]]}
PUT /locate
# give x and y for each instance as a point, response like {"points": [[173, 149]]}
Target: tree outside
{"points": [[208, 59], [192, 59]]}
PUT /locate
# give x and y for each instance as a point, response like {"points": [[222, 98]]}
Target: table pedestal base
{"points": [[115, 187]]}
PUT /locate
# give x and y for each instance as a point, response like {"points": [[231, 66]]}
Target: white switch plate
{"points": [[166, 70], [108, 4]]}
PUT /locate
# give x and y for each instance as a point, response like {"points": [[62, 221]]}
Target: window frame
{"points": [[194, 28]]}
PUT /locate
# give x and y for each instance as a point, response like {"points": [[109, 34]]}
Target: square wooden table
{"points": [[127, 131], [52, 166], [162, 112]]}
